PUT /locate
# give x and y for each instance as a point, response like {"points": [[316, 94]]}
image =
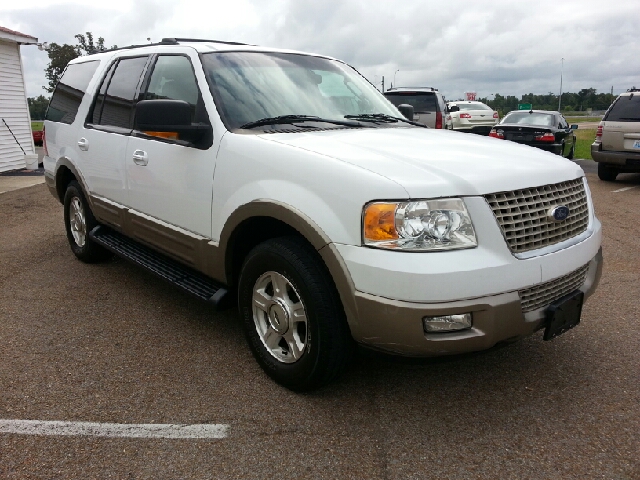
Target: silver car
{"points": [[470, 116]]}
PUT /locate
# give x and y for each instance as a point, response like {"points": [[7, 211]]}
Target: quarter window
{"points": [[68, 94]]}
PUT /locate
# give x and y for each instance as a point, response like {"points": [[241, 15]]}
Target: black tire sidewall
{"points": [[320, 305]]}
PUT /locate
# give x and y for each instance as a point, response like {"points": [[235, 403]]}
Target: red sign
{"points": [[471, 96]]}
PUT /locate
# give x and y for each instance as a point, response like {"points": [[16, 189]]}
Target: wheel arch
{"points": [[260, 220], [65, 173]]}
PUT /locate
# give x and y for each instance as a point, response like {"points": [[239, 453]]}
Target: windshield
{"points": [[526, 118], [625, 109], [251, 86]]}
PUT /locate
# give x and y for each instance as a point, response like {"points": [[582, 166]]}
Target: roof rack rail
{"points": [[169, 41], [633, 89], [413, 88], [176, 40]]}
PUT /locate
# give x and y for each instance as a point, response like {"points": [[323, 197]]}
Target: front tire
{"points": [[606, 173], [79, 221], [292, 315]]}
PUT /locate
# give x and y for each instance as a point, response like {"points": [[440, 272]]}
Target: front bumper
{"points": [[396, 326]]}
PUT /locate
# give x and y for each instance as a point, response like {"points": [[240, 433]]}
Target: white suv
{"points": [[286, 182]]}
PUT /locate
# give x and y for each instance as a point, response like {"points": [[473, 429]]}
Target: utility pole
{"points": [[560, 97], [382, 83]]}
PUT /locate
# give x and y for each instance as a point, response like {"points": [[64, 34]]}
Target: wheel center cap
{"points": [[279, 317]]}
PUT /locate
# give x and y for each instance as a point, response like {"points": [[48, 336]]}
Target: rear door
{"points": [[621, 130], [103, 141]]}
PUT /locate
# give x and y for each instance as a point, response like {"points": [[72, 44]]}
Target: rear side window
{"points": [[68, 94], [117, 95], [421, 102], [625, 109]]}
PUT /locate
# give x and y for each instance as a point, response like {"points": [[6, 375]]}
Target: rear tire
{"points": [[79, 221], [292, 315], [606, 173]]}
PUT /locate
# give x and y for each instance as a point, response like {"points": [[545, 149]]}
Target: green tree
{"points": [[38, 107], [61, 55]]}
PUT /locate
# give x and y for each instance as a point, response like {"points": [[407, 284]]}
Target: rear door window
{"points": [[69, 91], [421, 102], [118, 93], [625, 109]]}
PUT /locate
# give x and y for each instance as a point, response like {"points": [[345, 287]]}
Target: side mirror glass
{"points": [[454, 109], [574, 126]]}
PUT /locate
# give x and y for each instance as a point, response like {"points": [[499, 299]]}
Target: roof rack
{"points": [[633, 89], [413, 88], [174, 40], [168, 41]]}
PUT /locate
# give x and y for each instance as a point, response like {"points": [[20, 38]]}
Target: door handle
{"points": [[83, 144], [140, 158]]}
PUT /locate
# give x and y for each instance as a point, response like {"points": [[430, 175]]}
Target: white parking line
{"points": [[625, 189], [149, 430]]}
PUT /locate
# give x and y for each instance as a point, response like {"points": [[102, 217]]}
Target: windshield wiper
{"points": [[290, 119], [381, 118]]}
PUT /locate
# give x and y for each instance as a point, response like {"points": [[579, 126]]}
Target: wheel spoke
{"points": [[261, 300], [271, 338], [299, 314], [296, 348], [279, 286]]}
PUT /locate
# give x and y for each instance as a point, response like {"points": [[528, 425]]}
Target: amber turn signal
{"points": [[167, 135], [379, 222]]}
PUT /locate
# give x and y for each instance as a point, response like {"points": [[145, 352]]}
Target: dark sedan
{"points": [[538, 128]]}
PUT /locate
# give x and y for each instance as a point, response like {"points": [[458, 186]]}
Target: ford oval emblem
{"points": [[559, 213]]}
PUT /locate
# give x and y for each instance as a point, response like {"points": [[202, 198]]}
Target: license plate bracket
{"points": [[563, 314]]}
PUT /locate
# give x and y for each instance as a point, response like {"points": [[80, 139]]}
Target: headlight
{"points": [[425, 225]]}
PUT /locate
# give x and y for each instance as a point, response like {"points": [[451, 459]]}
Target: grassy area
{"points": [[36, 125], [584, 139], [583, 119]]}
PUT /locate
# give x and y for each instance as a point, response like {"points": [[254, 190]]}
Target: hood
{"points": [[431, 163]]}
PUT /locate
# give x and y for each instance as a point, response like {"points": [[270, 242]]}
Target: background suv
{"points": [[469, 116], [617, 144], [428, 104]]}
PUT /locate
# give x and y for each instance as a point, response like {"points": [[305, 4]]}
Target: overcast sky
{"points": [[508, 47]]}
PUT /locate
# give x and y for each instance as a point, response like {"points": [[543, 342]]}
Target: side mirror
{"points": [[170, 119], [454, 108], [406, 110], [574, 126]]}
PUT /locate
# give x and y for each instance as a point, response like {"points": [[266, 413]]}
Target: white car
{"points": [[471, 116], [287, 183]]}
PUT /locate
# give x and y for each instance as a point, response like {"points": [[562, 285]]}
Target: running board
{"points": [[185, 278]]}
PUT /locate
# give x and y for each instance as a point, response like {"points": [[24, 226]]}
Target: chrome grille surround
{"points": [[523, 214], [546, 293]]}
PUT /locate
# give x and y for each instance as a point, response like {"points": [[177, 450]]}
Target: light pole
{"points": [[560, 97], [394, 77]]}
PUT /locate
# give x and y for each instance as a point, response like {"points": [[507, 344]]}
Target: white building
{"points": [[15, 120]]}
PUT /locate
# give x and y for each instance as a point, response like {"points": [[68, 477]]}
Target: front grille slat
{"points": [[522, 214], [546, 293]]}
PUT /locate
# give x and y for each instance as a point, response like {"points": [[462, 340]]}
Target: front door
{"points": [[170, 183]]}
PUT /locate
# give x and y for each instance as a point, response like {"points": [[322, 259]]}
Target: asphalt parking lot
{"points": [[111, 344]]}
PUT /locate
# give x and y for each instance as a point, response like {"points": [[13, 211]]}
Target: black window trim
{"points": [[107, 76]]}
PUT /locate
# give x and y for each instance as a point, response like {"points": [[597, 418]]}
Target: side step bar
{"points": [[185, 278]]}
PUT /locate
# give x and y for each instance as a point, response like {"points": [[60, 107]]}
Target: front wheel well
{"points": [[246, 236]]}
